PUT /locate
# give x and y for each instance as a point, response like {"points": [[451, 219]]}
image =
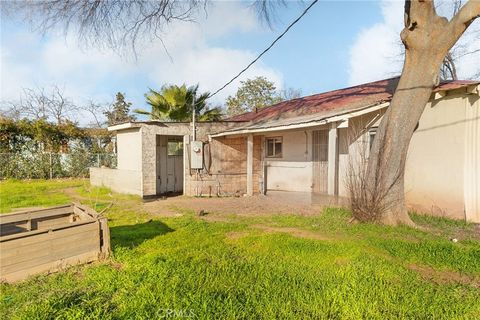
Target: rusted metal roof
{"points": [[337, 101]]}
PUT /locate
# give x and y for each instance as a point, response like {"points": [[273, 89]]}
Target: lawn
{"points": [[260, 267]]}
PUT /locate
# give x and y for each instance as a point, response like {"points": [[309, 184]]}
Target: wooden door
{"points": [[320, 161]]}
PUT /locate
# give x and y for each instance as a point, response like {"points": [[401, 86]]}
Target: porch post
{"points": [[250, 165], [332, 158]]}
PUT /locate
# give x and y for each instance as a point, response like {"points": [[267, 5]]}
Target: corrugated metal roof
{"points": [[336, 102]]}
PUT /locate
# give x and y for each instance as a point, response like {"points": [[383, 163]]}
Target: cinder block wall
{"points": [[228, 170]]}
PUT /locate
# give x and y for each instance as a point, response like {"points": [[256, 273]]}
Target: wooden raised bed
{"points": [[47, 240]]}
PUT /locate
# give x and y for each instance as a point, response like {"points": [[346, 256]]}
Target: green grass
{"points": [[235, 270], [41, 193]]}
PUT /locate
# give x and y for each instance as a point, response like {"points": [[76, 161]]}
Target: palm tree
{"points": [[174, 103]]}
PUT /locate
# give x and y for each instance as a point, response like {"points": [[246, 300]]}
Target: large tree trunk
{"points": [[427, 39]]}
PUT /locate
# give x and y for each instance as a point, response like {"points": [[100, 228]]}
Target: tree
{"points": [[37, 104], [427, 38], [174, 103], [120, 111], [115, 24], [289, 94], [252, 94]]}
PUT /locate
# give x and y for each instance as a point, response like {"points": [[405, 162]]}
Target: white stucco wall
{"points": [[129, 149], [293, 171]]}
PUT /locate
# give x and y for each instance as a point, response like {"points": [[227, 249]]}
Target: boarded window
{"points": [[175, 148], [274, 147]]}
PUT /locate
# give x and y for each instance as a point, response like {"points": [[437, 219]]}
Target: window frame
{"points": [[275, 140], [177, 141], [372, 132]]}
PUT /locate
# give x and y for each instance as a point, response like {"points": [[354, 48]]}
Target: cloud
{"points": [[27, 60], [377, 50]]}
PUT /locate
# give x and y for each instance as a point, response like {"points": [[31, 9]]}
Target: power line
{"points": [[265, 51]]}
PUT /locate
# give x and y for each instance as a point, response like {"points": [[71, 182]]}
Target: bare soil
{"points": [[273, 203], [445, 276]]}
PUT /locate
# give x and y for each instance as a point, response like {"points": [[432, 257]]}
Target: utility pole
{"points": [[194, 115]]}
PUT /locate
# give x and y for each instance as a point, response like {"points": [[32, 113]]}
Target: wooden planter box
{"points": [[47, 240]]}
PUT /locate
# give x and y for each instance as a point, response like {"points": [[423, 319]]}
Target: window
{"points": [[371, 136], [175, 148], [274, 147]]}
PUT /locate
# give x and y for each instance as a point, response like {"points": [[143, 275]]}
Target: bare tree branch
{"points": [[113, 24]]}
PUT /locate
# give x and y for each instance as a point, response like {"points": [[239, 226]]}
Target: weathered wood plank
{"points": [[49, 267], [36, 214], [62, 236], [105, 237], [50, 256], [21, 253], [30, 237]]}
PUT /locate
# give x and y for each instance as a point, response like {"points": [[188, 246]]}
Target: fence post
{"points": [[51, 166]]}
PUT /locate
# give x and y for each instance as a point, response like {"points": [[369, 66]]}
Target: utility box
{"points": [[196, 159]]}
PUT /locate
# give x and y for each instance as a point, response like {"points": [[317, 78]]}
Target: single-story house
{"points": [[308, 145]]}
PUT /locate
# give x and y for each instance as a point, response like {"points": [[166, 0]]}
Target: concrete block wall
{"points": [[149, 132]]}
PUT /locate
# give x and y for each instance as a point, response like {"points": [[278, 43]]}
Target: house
{"points": [[308, 145]]}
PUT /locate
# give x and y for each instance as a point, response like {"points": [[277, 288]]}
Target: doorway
{"points": [[320, 161], [169, 165]]}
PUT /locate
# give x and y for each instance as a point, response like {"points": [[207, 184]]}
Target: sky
{"points": [[337, 44]]}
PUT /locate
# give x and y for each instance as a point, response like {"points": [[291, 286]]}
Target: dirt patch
{"points": [[445, 277], [237, 234], [296, 232], [273, 203]]}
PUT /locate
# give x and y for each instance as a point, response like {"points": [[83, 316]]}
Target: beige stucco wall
{"points": [[293, 171], [442, 175], [124, 181], [434, 176], [472, 159], [129, 149]]}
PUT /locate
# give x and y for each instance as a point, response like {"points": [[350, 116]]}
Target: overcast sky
{"points": [[337, 44]]}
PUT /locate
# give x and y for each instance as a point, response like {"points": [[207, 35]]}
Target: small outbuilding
{"points": [[307, 145]]}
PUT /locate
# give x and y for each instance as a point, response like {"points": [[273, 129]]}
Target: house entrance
{"points": [[320, 161], [169, 164]]}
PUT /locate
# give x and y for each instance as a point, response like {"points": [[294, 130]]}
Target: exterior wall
{"points": [[434, 178], [472, 159], [353, 147], [129, 149], [124, 181], [149, 154], [227, 174], [442, 175], [293, 171]]}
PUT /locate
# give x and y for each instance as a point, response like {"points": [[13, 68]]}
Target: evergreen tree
{"points": [[120, 111]]}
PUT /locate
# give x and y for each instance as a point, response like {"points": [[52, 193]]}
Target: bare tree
{"points": [[461, 49], [111, 24], [42, 104], [427, 38], [97, 111]]}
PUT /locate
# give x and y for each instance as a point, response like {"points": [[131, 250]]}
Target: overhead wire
{"points": [[266, 50]]}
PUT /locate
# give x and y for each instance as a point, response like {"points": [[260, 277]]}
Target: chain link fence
{"points": [[52, 165]]}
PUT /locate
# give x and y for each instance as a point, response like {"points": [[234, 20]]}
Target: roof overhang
{"points": [[302, 122], [123, 126]]}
